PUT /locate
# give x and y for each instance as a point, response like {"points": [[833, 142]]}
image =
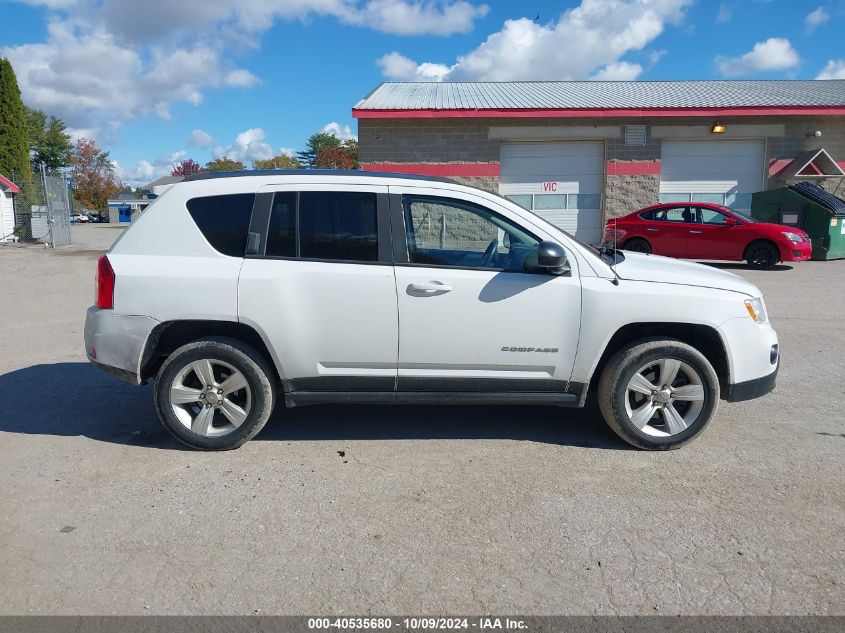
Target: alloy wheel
{"points": [[210, 397], [664, 397]]}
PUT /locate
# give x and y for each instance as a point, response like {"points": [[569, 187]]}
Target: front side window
{"points": [[711, 216], [224, 220], [340, 226], [447, 232]]}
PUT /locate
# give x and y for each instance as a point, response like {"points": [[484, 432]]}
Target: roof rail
{"points": [[211, 175]]}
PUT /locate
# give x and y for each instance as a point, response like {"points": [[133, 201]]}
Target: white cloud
{"points": [[343, 132], [816, 18], [724, 15], [835, 69], [775, 53], [249, 146], [201, 139], [590, 38], [396, 66], [618, 71], [104, 62]]}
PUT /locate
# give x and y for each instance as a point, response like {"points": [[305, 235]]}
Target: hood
{"points": [[653, 268]]}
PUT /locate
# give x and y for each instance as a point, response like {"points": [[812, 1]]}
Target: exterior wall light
{"points": [[719, 128]]}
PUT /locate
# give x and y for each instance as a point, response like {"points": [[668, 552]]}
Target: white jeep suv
{"points": [[234, 290]]}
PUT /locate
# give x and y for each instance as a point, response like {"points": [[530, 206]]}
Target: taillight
{"points": [[105, 284]]}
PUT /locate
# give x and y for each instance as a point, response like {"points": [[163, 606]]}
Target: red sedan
{"points": [[702, 230]]}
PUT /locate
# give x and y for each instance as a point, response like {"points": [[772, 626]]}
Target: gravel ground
{"points": [[430, 510]]}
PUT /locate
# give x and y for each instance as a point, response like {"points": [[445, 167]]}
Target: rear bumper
{"points": [[115, 342], [751, 389]]}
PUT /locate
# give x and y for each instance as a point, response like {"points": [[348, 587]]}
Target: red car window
{"points": [[673, 214]]}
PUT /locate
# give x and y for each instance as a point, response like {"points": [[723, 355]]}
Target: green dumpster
{"points": [[808, 207]]}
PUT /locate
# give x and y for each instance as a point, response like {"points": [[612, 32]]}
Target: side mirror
{"points": [[552, 258], [731, 222]]}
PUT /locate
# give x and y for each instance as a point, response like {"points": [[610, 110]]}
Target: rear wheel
{"points": [[637, 245], [762, 255], [215, 393], [658, 394]]}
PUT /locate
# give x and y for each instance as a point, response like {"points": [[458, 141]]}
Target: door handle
{"points": [[429, 287], [652, 230], [691, 231]]}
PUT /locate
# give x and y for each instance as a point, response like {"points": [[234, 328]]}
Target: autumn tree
{"points": [[282, 161], [14, 149], [186, 168], [316, 143], [48, 141], [224, 164], [93, 175], [343, 157]]}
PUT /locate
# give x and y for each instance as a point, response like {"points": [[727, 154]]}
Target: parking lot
{"points": [[392, 510]]}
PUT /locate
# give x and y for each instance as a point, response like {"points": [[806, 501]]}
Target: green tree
{"points": [[48, 141], [93, 175], [282, 161], [14, 149], [315, 144], [224, 164]]}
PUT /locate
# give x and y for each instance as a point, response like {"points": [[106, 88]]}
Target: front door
{"points": [[711, 238], [319, 285], [474, 315]]}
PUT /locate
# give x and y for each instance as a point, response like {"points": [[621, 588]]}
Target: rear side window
{"points": [[338, 226], [224, 220]]}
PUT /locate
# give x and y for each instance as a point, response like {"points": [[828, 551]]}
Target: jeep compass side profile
{"points": [[234, 291]]}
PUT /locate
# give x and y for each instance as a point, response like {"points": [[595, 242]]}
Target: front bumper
{"points": [[115, 342], [792, 252], [751, 389]]}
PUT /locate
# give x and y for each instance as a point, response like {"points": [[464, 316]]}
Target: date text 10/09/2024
{"points": [[421, 624]]}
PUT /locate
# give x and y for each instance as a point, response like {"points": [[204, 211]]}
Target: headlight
{"points": [[793, 237], [757, 309]]}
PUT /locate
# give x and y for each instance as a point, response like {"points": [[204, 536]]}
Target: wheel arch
{"points": [[704, 338], [642, 238], [168, 336], [762, 240]]}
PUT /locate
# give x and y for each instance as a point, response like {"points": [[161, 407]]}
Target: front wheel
{"points": [[761, 255], [215, 393], [658, 394]]}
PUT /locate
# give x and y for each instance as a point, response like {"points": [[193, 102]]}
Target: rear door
{"points": [[318, 282], [668, 231], [470, 317]]}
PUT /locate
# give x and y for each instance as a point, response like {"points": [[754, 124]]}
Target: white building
{"points": [[7, 209]]}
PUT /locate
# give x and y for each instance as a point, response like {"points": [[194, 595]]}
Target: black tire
{"points": [[245, 359], [762, 255], [637, 245], [613, 392]]}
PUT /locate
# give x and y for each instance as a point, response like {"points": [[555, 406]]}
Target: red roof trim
{"points": [[459, 170], [8, 184], [633, 168], [535, 113]]}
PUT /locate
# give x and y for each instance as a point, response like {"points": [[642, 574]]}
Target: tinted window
{"points": [[340, 226], [224, 220], [648, 215], [445, 232], [281, 233]]}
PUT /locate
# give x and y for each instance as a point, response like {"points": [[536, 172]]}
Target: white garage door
{"points": [[561, 182], [724, 172]]}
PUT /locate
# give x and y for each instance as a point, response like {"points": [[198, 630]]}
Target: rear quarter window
{"points": [[224, 220]]}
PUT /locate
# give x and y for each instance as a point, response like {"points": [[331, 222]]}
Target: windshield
{"points": [[742, 215]]}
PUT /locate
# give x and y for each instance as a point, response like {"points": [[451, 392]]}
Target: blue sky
{"points": [[158, 80]]}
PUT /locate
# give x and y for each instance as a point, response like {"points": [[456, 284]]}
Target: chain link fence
{"points": [[42, 210]]}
